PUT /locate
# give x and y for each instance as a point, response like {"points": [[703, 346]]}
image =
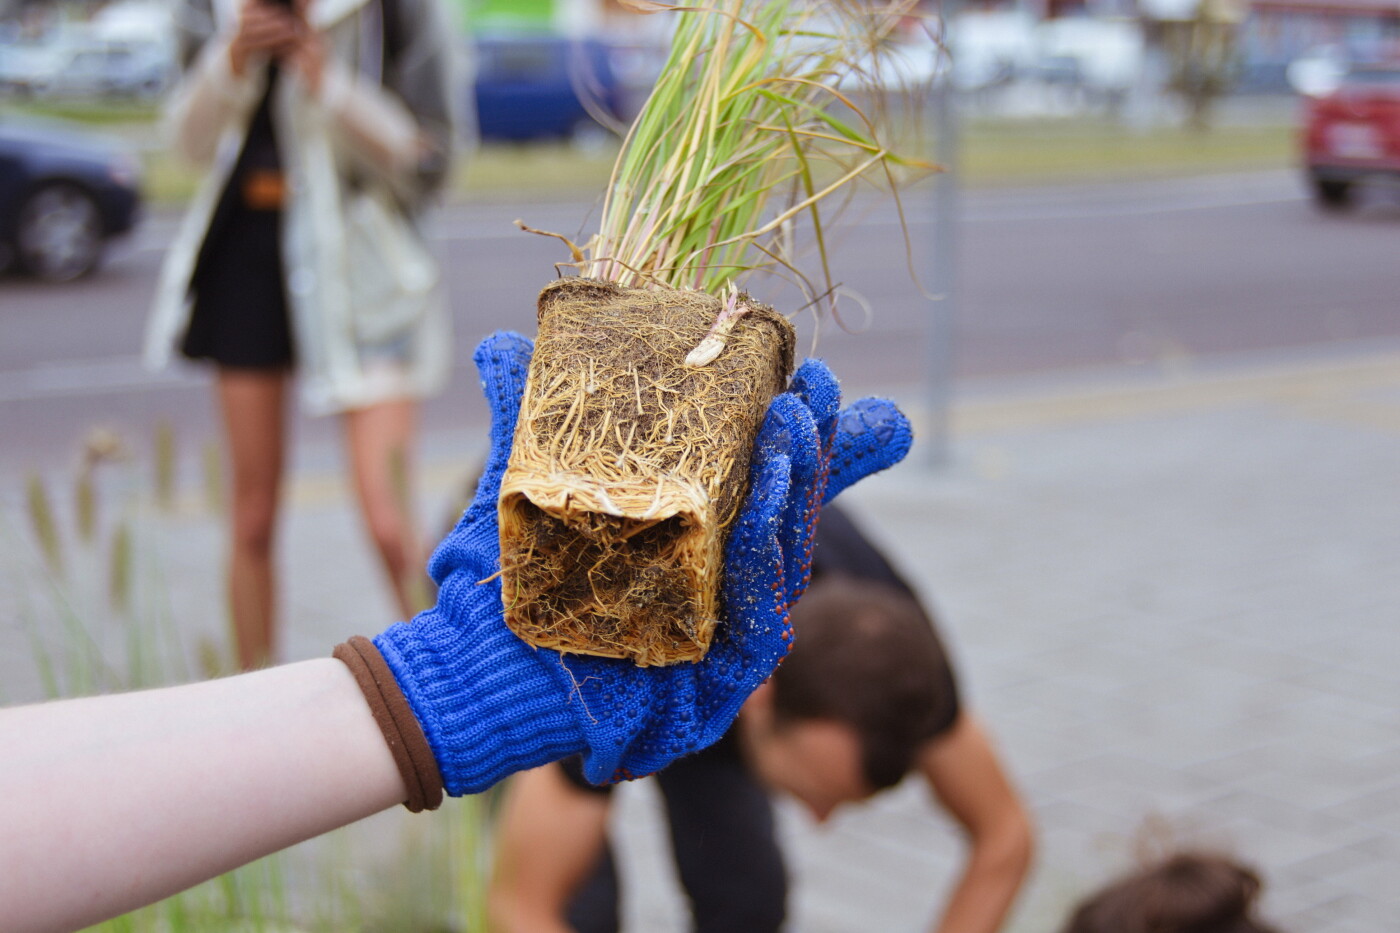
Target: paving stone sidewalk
{"points": [[1175, 602], [1173, 598]]}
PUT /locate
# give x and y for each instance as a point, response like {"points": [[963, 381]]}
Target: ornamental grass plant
{"points": [[653, 368], [755, 124]]}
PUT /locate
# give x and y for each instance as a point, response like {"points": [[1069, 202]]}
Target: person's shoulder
{"points": [[842, 548]]}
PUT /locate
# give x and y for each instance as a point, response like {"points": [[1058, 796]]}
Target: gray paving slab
{"points": [[1173, 599], [1172, 604]]}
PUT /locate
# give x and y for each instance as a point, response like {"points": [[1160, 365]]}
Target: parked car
{"points": [[89, 68], [1353, 133], [20, 62], [535, 86], [63, 195]]}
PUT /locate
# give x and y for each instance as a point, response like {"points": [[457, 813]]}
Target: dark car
{"points": [[535, 86], [1353, 133], [63, 195]]}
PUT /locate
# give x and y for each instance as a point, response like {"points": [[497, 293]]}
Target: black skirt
{"points": [[240, 315]]}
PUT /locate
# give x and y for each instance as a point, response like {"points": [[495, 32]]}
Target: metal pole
{"points": [[944, 204]]}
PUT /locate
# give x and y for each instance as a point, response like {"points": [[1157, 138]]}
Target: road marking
{"points": [[1317, 390], [1173, 206], [467, 223], [1366, 413], [1295, 386]]}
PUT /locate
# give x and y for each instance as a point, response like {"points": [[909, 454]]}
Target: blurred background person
{"points": [[1187, 892], [326, 125], [866, 697]]}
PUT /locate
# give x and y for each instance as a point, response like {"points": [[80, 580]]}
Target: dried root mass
{"points": [[629, 466]]}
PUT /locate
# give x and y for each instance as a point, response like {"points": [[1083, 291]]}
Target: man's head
{"points": [[865, 685]]}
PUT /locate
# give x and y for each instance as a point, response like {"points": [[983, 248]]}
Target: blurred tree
{"points": [[1203, 56]]}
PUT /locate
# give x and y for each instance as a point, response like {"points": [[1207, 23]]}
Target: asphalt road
{"points": [[1050, 279]]}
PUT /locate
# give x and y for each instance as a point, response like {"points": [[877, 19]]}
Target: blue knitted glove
{"points": [[489, 704]]}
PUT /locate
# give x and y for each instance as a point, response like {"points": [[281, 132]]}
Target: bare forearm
{"points": [[528, 921], [977, 908], [985, 893], [967, 777], [112, 802]]}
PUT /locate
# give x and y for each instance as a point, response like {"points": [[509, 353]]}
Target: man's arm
{"points": [[549, 837], [966, 776]]}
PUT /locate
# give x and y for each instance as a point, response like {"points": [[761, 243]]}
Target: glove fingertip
{"points": [[872, 435], [769, 487], [775, 431], [893, 429], [799, 434], [817, 387], [503, 361], [504, 346]]}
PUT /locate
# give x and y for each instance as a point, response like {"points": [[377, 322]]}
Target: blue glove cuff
{"points": [[484, 713]]}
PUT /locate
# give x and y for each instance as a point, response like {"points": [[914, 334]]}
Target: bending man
{"points": [[865, 697]]}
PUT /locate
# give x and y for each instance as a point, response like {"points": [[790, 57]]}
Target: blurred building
{"points": [[1279, 31], [1265, 35]]}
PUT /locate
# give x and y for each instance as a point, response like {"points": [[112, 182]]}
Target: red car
{"points": [[1353, 133]]}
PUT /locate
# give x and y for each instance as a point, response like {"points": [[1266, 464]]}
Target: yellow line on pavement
{"points": [[1332, 384], [1371, 414], [1329, 390]]}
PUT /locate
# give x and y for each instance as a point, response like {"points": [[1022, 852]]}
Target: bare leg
{"points": [[253, 404], [380, 442]]}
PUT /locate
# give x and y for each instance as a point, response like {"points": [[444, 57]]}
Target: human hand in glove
{"points": [[201, 778], [464, 702]]}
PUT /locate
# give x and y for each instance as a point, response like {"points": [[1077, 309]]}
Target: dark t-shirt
{"points": [[840, 549]]}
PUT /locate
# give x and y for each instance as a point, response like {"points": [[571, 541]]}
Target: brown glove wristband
{"points": [[402, 732]]}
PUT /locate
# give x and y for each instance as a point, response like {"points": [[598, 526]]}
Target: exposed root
{"points": [[628, 467]]}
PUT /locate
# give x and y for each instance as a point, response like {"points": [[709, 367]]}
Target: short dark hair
{"points": [[1189, 892], [866, 655]]}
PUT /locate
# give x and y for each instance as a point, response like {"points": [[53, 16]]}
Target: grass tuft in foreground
{"points": [[86, 582]]}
